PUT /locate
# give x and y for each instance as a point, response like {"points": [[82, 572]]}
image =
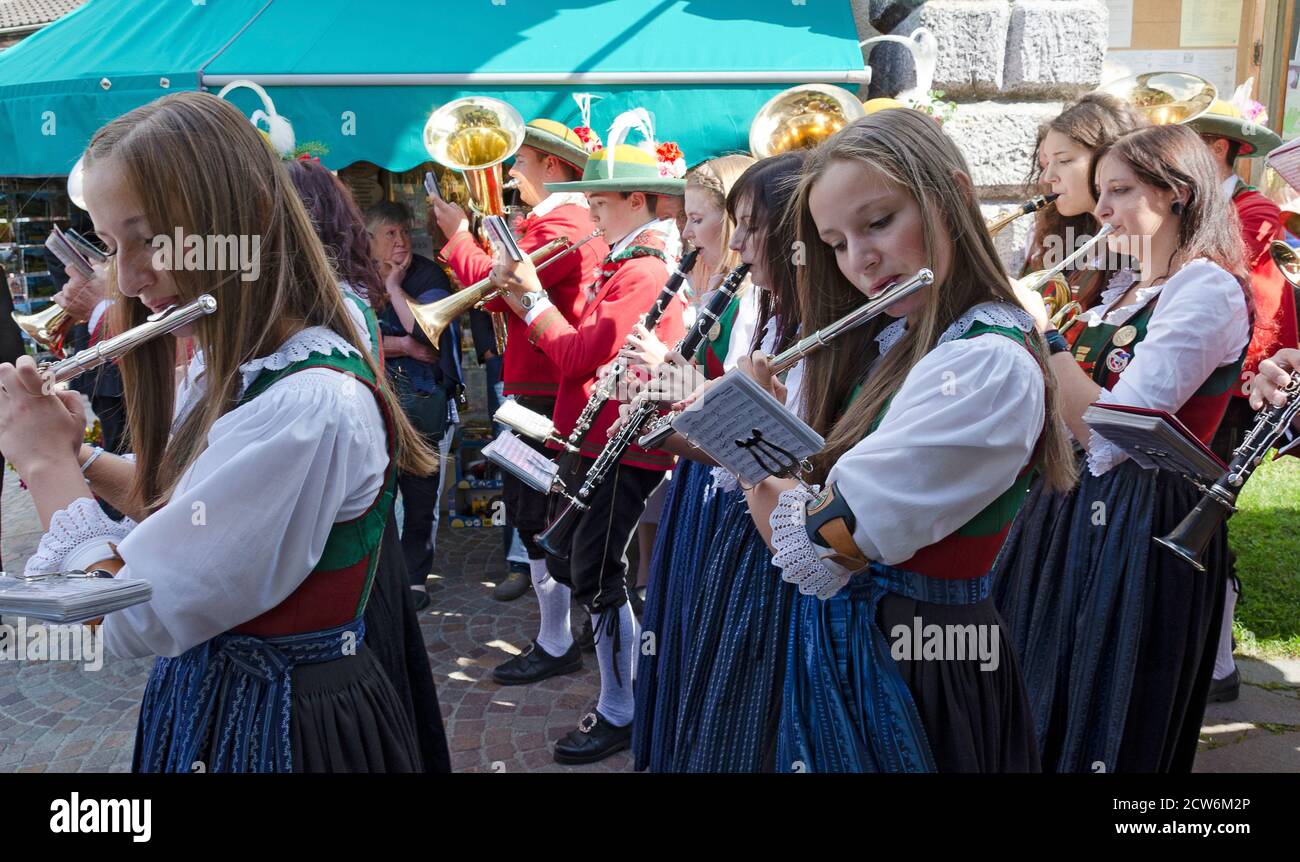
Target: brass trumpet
{"points": [[434, 317], [1062, 308], [47, 328]]}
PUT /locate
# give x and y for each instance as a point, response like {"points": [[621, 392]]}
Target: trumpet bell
{"points": [[1287, 260], [434, 317], [474, 135], [1165, 97], [801, 117], [47, 328]]}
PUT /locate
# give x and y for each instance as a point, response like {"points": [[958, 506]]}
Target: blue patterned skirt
{"points": [[854, 702], [687, 526], [1116, 635], [730, 684]]}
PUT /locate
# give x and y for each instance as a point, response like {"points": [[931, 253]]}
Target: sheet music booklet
{"points": [[522, 461], [70, 597], [724, 421], [1154, 439]]}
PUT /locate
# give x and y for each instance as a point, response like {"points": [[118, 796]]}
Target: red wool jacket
{"points": [[527, 370], [1275, 311], [581, 350]]}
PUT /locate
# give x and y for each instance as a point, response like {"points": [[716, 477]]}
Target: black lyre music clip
{"points": [[771, 458]]}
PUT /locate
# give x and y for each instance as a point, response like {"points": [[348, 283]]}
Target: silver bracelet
{"points": [[97, 451]]}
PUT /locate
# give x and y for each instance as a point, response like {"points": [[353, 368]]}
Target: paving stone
{"points": [[1261, 752]]}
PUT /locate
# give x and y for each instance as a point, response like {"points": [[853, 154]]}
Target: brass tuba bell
{"points": [[801, 117], [1165, 98], [474, 135]]}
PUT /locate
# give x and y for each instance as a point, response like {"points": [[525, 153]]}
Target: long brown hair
{"points": [[768, 186], [1174, 158], [198, 166], [341, 229], [1093, 122], [910, 149]]}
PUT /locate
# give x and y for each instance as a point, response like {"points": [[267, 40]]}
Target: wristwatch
{"points": [[531, 298]]}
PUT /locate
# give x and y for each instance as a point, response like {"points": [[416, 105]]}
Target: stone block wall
{"points": [[1010, 65]]}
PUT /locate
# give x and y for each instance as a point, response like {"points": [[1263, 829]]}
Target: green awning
{"points": [[363, 78]]}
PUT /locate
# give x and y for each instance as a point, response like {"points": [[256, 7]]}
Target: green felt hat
{"points": [[1224, 120], [625, 168], [556, 139]]}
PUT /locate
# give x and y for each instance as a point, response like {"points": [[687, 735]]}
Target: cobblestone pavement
{"points": [[59, 717]]}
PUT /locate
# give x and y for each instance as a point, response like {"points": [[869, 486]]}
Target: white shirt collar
{"points": [[1230, 186], [559, 199]]}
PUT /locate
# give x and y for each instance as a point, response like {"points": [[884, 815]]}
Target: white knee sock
{"points": [[616, 702], [554, 638], [1223, 663]]}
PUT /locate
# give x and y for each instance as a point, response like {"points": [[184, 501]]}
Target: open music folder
{"points": [[1154, 439], [70, 598], [522, 461], [741, 426]]}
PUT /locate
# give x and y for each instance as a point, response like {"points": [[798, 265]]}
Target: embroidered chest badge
{"points": [[1124, 336], [1118, 360]]}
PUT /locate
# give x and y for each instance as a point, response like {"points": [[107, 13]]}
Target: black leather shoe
{"points": [[534, 664], [422, 599], [515, 585], [595, 739], [1225, 690]]}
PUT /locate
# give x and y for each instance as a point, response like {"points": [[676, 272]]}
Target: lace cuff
{"points": [[725, 480], [793, 551], [78, 537]]}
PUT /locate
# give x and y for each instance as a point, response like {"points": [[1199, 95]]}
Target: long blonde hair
{"points": [[197, 165], [716, 177], [909, 148]]}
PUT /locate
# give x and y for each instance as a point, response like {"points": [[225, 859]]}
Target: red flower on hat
{"points": [[590, 140], [307, 157], [668, 151], [672, 162]]}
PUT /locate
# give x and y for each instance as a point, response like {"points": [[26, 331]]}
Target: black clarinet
{"points": [[609, 385], [1194, 533], [556, 538]]}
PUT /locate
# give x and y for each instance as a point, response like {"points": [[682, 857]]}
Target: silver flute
{"points": [[161, 323], [787, 359]]}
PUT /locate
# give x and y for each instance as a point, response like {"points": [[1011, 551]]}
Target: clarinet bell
{"points": [[1194, 533], [557, 538]]}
